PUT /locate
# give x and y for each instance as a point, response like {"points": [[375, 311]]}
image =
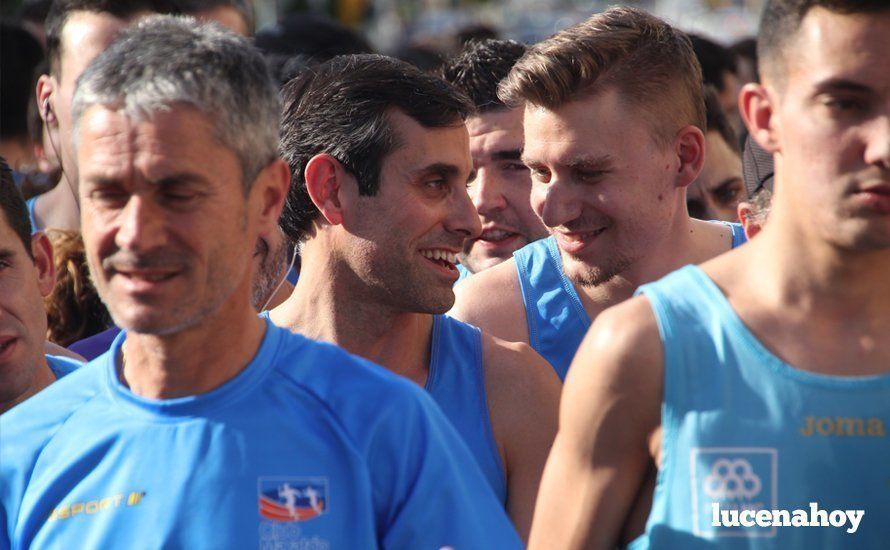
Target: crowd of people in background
{"points": [[270, 288]]}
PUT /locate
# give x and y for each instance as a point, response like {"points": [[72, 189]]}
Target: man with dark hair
{"points": [[378, 202], [614, 133], [716, 192], [27, 275], [500, 183], [720, 69], [206, 426], [745, 403], [76, 32]]}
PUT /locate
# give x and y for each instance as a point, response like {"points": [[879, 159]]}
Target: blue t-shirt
{"points": [[62, 366], [457, 383], [307, 447], [743, 430], [557, 320]]}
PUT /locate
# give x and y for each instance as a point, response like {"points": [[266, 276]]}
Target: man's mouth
{"points": [[6, 343], [441, 257], [575, 241], [496, 235], [145, 280]]}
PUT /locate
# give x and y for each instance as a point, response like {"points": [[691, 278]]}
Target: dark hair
{"points": [[311, 35], [22, 53], [14, 208], [478, 69], [714, 60], [780, 20], [648, 61], [746, 48], [340, 107], [61, 10], [243, 7], [718, 122], [34, 11]]}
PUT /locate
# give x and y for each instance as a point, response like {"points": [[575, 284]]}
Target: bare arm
{"points": [[609, 413], [492, 301], [523, 400]]}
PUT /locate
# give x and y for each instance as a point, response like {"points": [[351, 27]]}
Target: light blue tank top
{"points": [[557, 321], [456, 383], [464, 274], [744, 430], [31, 204]]}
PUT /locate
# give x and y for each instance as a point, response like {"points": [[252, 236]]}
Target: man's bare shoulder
{"points": [[622, 353], [492, 301], [517, 374]]}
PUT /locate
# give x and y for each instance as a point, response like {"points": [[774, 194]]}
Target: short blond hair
{"points": [[649, 62]]}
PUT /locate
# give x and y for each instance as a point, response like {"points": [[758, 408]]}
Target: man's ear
{"points": [[690, 149], [756, 108], [324, 177], [46, 87], [270, 187], [42, 250], [750, 226]]}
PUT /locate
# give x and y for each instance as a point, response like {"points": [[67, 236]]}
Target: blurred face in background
{"points": [[500, 187], [717, 191]]}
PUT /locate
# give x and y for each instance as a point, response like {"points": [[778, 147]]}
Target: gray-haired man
{"points": [[206, 426]]}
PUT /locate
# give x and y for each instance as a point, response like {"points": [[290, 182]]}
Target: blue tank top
{"points": [[456, 382], [744, 430], [31, 204], [557, 320]]}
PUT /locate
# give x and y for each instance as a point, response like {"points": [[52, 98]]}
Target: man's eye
{"points": [[436, 184], [845, 104], [728, 194], [540, 174], [108, 196], [514, 167], [590, 175]]}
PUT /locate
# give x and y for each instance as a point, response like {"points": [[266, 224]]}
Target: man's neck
{"points": [[799, 269], [686, 241], [195, 360], [325, 306], [58, 208]]}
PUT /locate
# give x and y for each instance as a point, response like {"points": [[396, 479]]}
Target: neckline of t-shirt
{"points": [[748, 339], [194, 405]]}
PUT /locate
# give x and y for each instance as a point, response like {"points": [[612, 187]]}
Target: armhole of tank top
{"points": [[483, 398], [526, 290], [670, 365]]}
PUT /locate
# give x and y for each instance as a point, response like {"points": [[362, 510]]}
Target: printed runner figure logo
{"points": [[292, 499]]}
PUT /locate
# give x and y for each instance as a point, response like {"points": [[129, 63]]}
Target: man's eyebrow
{"points": [[179, 178], [508, 154], [442, 169], [590, 163], [840, 85]]}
